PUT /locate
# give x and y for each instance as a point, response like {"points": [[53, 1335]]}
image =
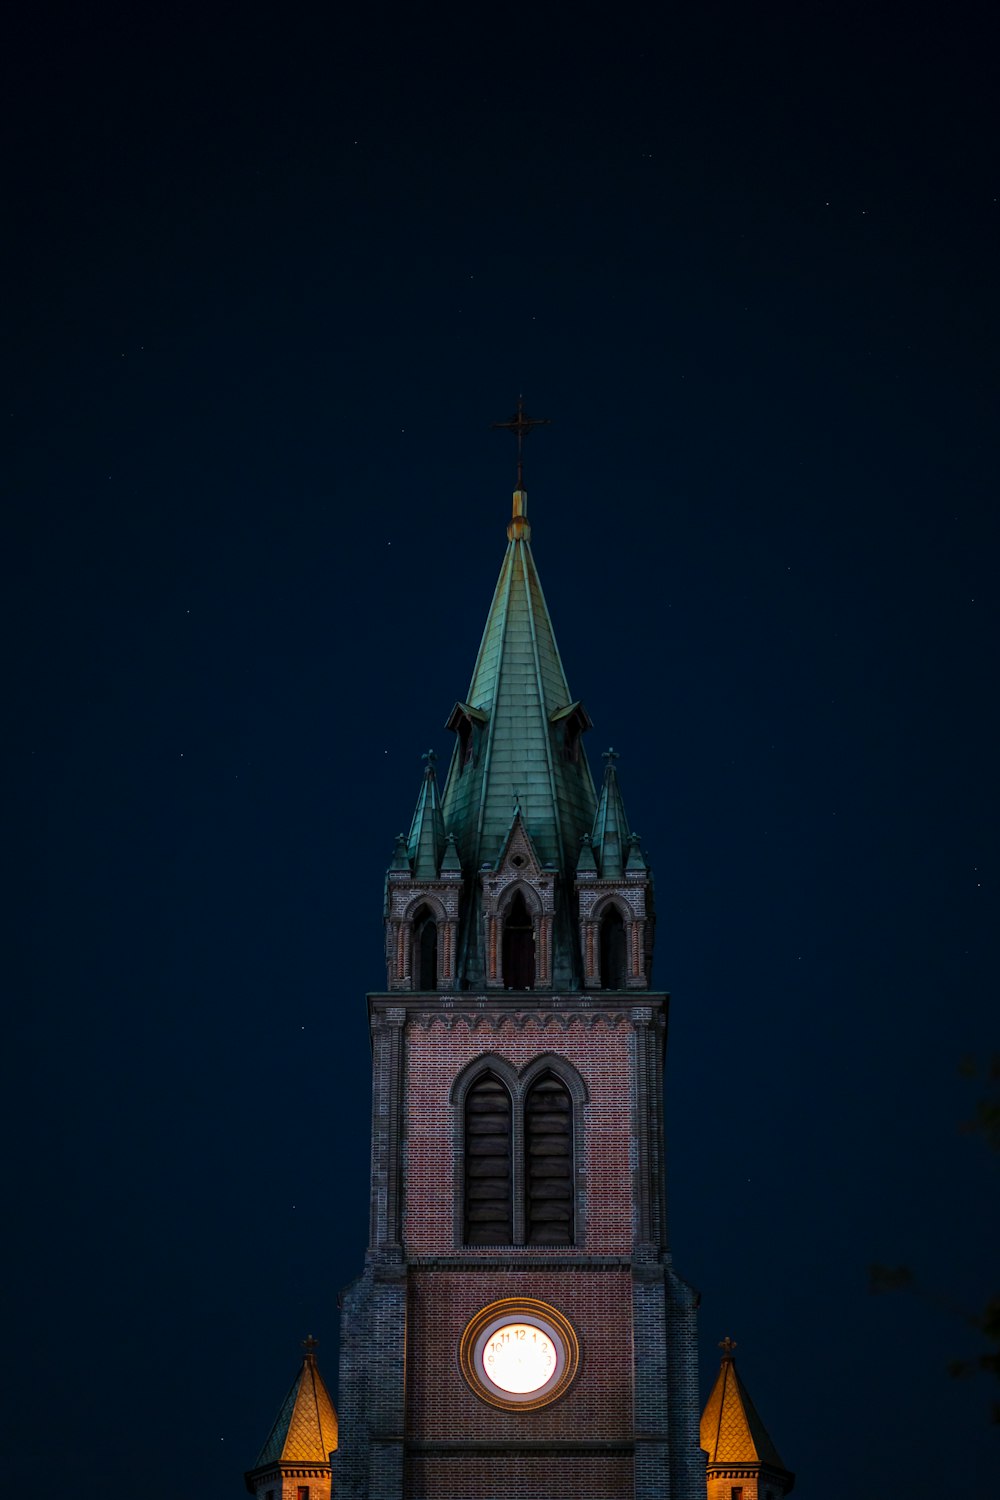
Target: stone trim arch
{"points": [[594, 908], [442, 908], [554, 1062], [615, 899], [433, 903], [486, 1062], [519, 1084], [532, 899]]}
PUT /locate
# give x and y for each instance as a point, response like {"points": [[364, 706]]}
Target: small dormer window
{"points": [[467, 722], [568, 725]]}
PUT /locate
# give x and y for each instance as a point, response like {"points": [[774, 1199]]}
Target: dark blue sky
{"points": [[268, 280]]}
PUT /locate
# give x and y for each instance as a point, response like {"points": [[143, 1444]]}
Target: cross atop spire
{"points": [[727, 1345], [521, 424]]}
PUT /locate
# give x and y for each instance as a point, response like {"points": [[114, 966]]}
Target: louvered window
{"points": [[612, 950], [425, 950], [548, 1130], [518, 947], [488, 1197]]}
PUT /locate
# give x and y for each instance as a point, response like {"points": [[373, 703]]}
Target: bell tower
{"points": [[518, 1326]]}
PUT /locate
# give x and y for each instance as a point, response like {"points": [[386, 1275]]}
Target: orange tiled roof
{"points": [[731, 1430], [305, 1430]]}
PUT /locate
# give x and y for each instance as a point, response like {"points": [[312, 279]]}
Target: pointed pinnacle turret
{"points": [[451, 864], [425, 844], [586, 864], [611, 830], [636, 862]]}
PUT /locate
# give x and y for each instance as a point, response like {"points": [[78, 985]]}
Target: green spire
{"points": [[636, 862], [400, 857], [586, 864], [425, 846], [525, 747], [519, 734], [451, 864], [611, 830]]}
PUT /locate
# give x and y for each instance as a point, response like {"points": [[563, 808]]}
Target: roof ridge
{"points": [[508, 565], [526, 557]]}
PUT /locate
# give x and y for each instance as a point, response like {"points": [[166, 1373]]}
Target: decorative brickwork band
{"points": [[491, 968], [636, 973], [592, 978]]}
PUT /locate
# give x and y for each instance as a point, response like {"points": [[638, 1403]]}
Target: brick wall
{"points": [[410, 1425], [529, 1476], [597, 1405], [599, 1048], [284, 1482]]}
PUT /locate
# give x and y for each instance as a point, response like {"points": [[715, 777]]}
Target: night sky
{"points": [[269, 276]]}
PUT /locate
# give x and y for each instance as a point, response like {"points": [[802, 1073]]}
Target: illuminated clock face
{"points": [[519, 1353], [520, 1358]]}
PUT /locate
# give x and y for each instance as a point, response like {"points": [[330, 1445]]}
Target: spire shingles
{"points": [[523, 746], [520, 686]]}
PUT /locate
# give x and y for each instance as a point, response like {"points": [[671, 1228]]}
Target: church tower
{"points": [[518, 1327]]}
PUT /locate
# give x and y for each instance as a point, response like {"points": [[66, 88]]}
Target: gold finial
{"points": [[727, 1345], [310, 1345]]}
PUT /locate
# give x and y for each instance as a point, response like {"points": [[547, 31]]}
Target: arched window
{"points": [[488, 1196], [518, 946], [424, 950], [548, 1163], [613, 968]]}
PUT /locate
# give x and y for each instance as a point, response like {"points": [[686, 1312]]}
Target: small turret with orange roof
{"points": [[294, 1463], [743, 1463]]}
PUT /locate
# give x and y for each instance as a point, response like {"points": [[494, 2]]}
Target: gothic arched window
{"points": [[548, 1163], [488, 1195], [424, 950], [518, 946], [613, 966]]}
